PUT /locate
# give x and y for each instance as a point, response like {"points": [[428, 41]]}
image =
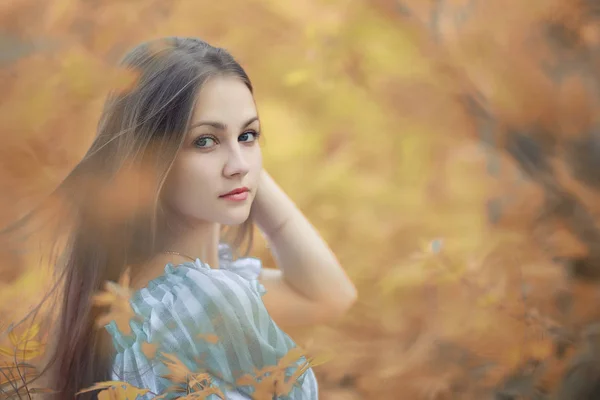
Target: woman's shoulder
{"points": [[236, 270], [193, 294], [198, 281]]}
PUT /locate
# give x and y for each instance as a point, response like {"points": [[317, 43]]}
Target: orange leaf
{"points": [[116, 390], [178, 371], [116, 296]]}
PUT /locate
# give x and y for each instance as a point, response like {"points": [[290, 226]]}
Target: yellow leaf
{"points": [[204, 393], [110, 394], [31, 333], [32, 345], [116, 390], [116, 296], [11, 373], [246, 380], [104, 299], [291, 357], [284, 387], [320, 359], [266, 388], [13, 338], [272, 378], [178, 371], [5, 351], [22, 347]]}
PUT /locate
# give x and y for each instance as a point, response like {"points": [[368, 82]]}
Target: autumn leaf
{"points": [[11, 374], [116, 296], [23, 346], [178, 371], [202, 387], [291, 357], [272, 380], [115, 390], [196, 385]]}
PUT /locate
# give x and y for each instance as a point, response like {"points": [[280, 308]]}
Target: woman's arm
{"points": [[310, 286]]}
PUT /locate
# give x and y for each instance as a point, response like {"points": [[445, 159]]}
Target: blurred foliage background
{"points": [[446, 149]]}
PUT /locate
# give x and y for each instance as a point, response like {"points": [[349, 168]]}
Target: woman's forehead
{"points": [[225, 99]]}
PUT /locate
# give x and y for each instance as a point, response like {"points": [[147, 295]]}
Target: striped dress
{"points": [[213, 321]]}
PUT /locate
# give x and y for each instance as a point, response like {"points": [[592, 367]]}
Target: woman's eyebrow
{"points": [[222, 126]]}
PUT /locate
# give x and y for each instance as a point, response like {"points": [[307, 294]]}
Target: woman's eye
{"points": [[205, 142], [249, 136]]}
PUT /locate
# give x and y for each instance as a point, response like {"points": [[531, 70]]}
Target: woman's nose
{"points": [[236, 163]]}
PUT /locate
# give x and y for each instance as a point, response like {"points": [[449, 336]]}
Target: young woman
{"points": [[190, 129]]}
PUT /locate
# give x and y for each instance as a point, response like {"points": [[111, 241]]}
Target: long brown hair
{"points": [[139, 135]]}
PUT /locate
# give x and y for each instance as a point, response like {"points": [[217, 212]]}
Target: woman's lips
{"points": [[239, 194], [236, 197]]}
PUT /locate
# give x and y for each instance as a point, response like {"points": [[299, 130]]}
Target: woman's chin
{"points": [[236, 217]]}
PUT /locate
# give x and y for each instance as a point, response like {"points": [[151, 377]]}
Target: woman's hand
{"points": [[310, 286]]}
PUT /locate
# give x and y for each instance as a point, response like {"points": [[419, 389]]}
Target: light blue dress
{"points": [[191, 302]]}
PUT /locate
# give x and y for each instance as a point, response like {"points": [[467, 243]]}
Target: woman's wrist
{"points": [[272, 208]]}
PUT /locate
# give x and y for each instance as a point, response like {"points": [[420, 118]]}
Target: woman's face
{"points": [[220, 154]]}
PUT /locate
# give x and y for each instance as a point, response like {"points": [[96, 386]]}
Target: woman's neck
{"points": [[200, 241]]}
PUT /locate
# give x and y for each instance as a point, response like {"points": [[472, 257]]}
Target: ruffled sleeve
{"points": [[247, 267]]}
